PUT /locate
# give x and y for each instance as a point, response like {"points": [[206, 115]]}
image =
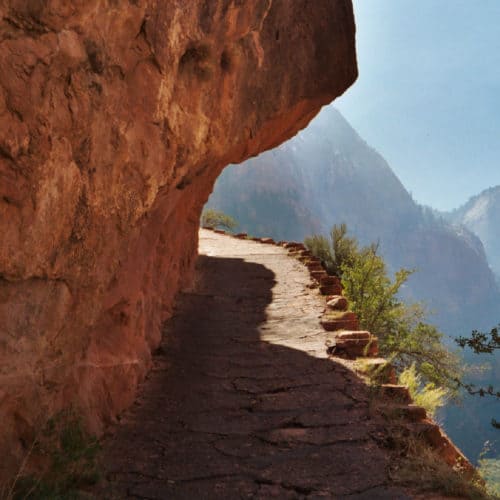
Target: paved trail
{"points": [[243, 401]]}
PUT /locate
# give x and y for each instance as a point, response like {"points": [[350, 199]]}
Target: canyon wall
{"points": [[115, 120]]}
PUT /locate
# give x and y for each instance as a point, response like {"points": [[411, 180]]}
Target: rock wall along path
{"points": [[243, 401]]}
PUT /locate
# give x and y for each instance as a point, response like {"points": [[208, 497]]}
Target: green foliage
{"points": [[216, 219], [320, 247], [336, 254], [344, 248], [428, 396], [70, 457], [404, 336], [372, 294], [481, 342]]}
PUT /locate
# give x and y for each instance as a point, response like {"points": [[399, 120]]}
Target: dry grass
{"points": [[64, 464], [417, 466]]}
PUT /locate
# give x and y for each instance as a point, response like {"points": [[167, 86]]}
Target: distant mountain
{"points": [[481, 215], [327, 174]]}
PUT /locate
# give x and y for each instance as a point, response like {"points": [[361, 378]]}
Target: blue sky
{"points": [[428, 94]]}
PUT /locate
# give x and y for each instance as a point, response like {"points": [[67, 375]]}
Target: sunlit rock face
{"points": [[115, 119]]}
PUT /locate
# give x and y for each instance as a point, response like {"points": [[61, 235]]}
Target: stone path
{"points": [[243, 401]]}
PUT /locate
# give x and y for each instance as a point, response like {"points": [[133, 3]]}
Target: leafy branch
{"points": [[481, 342]]}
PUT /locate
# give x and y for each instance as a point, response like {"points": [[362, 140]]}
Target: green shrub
{"points": [[69, 455], [428, 396], [336, 254], [216, 219]]}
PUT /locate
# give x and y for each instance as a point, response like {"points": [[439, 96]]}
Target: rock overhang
{"points": [[115, 120]]}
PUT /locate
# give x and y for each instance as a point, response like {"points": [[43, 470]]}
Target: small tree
{"points": [[403, 332], [404, 336], [212, 218], [335, 254], [320, 247]]}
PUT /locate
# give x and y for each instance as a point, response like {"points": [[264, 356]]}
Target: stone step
{"points": [[352, 343], [317, 275], [267, 241], [355, 348], [330, 281], [347, 322], [411, 412], [379, 369], [296, 249], [330, 289], [337, 303], [314, 266], [294, 245], [354, 334], [438, 440], [396, 392]]}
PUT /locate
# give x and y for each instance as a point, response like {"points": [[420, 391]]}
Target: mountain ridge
{"points": [[479, 215]]}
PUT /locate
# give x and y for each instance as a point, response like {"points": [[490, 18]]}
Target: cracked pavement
{"points": [[243, 400]]}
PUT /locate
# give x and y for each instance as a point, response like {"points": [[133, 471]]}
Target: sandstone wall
{"points": [[116, 117]]}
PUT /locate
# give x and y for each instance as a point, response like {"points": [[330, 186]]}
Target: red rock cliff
{"points": [[115, 119]]}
